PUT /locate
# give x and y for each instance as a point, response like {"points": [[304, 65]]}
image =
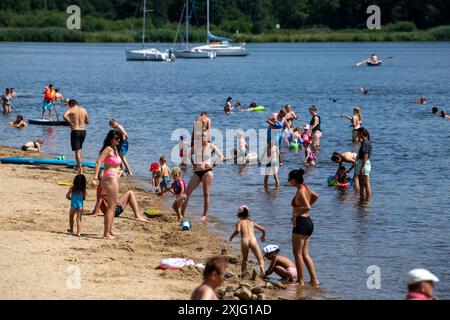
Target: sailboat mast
{"points": [[143, 26], [207, 21], [187, 23]]}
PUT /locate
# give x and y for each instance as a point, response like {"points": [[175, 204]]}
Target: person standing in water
{"points": [[47, 103], [304, 198], [315, 127], [347, 157], [363, 165], [77, 118], [356, 120]]}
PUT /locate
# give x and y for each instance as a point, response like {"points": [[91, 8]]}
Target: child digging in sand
{"points": [[76, 195], [279, 264], [246, 228]]}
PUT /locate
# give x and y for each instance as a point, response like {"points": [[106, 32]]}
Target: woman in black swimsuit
{"points": [[201, 158], [303, 226]]}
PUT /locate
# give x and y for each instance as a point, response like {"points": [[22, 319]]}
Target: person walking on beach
{"points": [[246, 228], [76, 195], [124, 150], [420, 284], [202, 153], [109, 156], [315, 127], [356, 120], [363, 165], [213, 277], [77, 118], [47, 103], [304, 198]]}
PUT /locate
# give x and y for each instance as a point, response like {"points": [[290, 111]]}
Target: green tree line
{"points": [[248, 16]]}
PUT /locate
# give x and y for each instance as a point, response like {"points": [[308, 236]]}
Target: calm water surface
{"points": [[406, 224]]}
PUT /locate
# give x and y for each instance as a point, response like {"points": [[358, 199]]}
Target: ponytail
{"points": [[297, 175]]}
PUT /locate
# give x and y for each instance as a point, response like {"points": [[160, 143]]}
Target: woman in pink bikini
{"points": [[109, 156], [303, 226]]}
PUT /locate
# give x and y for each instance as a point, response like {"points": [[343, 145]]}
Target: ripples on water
{"points": [[406, 224]]}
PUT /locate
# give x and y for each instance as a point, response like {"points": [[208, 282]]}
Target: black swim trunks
{"points": [[303, 226], [77, 139]]}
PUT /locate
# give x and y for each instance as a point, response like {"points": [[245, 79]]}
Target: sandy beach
{"points": [[40, 259]]}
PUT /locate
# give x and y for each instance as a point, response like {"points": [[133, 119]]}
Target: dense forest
{"points": [[250, 17]]}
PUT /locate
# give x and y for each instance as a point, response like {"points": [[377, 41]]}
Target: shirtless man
{"points": [[213, 277], [77, 118], [290, 115]]}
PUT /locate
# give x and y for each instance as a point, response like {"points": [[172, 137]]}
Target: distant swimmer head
{"points": [[229, 99], [434, 110], [423, 100]]}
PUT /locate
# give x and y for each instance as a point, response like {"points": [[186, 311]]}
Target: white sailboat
{"points": [[148, 54], [191, 53], [220, 46]]}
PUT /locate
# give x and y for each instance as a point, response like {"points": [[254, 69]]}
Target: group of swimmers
{"points": [[229, 107]]}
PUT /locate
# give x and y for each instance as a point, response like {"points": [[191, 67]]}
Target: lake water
{"points": [[406, 224]]}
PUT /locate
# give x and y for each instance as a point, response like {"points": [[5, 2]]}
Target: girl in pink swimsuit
{"points": [[109, 156]]}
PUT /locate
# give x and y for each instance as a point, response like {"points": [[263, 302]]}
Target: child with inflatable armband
{"points": [[179, 190], [279, 264]]}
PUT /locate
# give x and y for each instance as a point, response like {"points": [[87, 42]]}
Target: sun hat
{"points": [[419, 275], [271, 248], [154, 167]]}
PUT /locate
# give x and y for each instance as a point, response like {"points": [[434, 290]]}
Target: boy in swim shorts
{"points": [[164, 172]]}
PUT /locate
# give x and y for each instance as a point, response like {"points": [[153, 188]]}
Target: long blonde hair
{"points": [[357, 113]]}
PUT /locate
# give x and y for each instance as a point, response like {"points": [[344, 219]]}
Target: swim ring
{"points": [[333, 183], [259, 108], [293, 145]]}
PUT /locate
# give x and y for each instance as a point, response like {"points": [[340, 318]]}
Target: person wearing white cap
{"points": [[279, 264], [420, 284]]}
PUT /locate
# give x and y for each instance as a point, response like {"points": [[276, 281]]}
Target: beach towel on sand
{"points": [[175, 263]]}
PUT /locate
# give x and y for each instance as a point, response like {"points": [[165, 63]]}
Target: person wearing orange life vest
{"points": [[47, 104]]}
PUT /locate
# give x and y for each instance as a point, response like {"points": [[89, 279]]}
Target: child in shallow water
{"points": [[246, 228], [76, 195]]}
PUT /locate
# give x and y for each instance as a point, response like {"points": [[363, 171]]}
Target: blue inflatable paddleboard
{"points": [[46, 162]]}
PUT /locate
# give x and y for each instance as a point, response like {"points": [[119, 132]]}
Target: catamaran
{"points": [[187, 52], [148, 54], [221, 46]]}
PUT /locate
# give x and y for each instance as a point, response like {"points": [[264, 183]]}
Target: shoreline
{"points": [[33, 237]]}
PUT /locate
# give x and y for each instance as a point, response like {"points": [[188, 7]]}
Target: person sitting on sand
{"points": [[246, 228], [19, 123], [127, 198], [279, 264], [76, 195], [213, 277], [33, 146]]}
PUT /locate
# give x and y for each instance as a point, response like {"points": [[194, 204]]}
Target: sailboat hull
{"points": [[224, 50], [194, 54], [147, 55]]}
